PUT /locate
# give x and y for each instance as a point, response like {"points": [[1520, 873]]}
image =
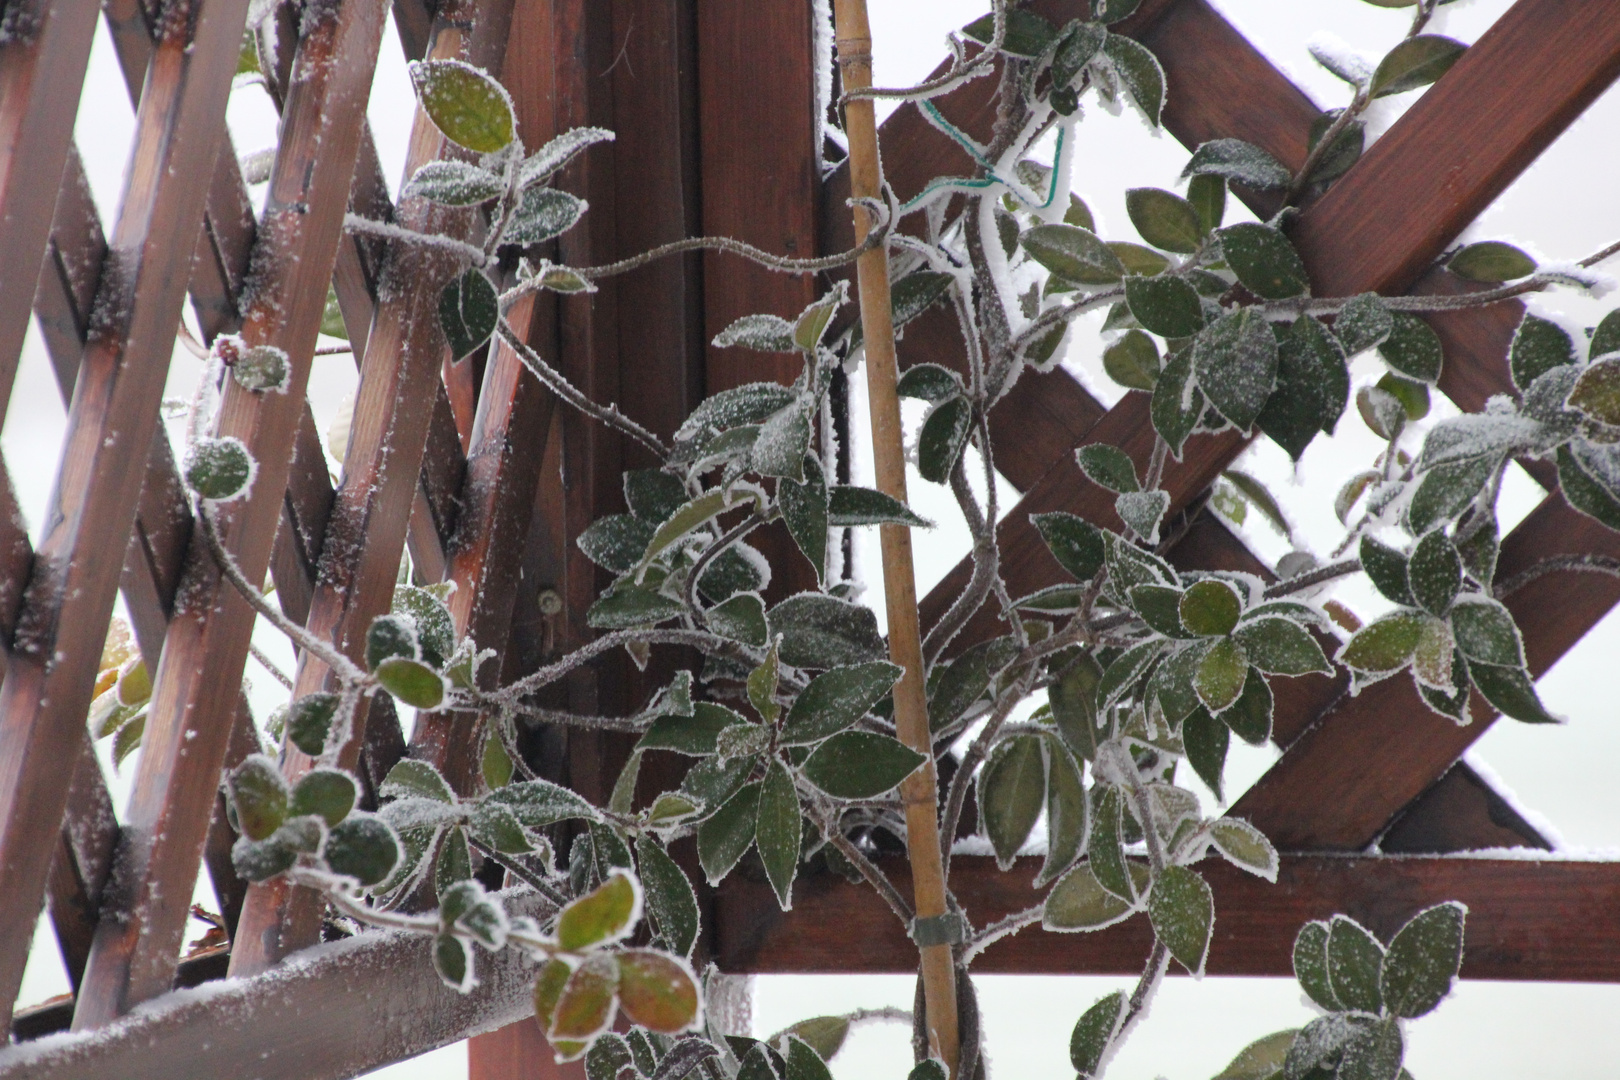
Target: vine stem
{"points": [[920, 791], [554, 381]]}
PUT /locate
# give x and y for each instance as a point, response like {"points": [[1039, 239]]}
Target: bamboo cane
{"points": [[920, 791]]}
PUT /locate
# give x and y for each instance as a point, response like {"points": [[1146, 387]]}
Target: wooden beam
{"points": [[1459, 812], [298, 1021], [1526, 919]]}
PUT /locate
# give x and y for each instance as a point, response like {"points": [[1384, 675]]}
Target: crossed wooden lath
{"points": [[488, 481]]}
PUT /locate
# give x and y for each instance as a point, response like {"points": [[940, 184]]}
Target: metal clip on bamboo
{"points": [[920, 792]]}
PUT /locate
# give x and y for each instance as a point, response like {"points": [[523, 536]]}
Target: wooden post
{"points": [[920, 791]]}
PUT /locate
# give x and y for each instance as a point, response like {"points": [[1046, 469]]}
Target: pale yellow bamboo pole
{"points": [[920, 792]]}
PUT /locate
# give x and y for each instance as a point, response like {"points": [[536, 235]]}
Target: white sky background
{"points": [[1563, 208]]}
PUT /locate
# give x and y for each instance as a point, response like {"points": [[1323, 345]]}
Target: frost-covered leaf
{"points": [[1374, 1053], [541, 214], [1354, 965], [1492, 262], [260, 796], [1345, 151], [804, 507], [1093, 1032], [1075, 543], [1311, 965], [1105, 847], [558, 152], [1206, 741], [221, 469], [1209, 608], [658, 991], [1414, 62], [411, 682], [1108, 466], [1182, 909], [1412, 348], [943, 437], [1166, 221], [1178, 403], [1262, 1059], [727, 834], [539, 803], [1132, 361], [929, 382], [1385, 645], [496, 826], [390, 636], [431, 619], [413, 779], [1539, 345], [1220, 675], [1582, 485], [1241, 162], [327, 793], [1236, 362], [778, 829], [784, 440], [1166, 306], [262, 369], [1067, 820], [1423, 960], [309, 719], [1313, 387], [860, 764], [1434, 572], [1264, 260], [1079, 902], [1486, 632], [820, 631], [1011, 794], [962, 683], [742, 618], [813, 320], [669, 896], [585, 1007], [452, 959], [1138, 260], [629, 605], [1597, 392], [849, 504], [1159, 607], [1317, 1048], [604, 915], [453, 183], [1281, 647], [363, 847], [468, 312], [1245, 846], [1027, 34], [1432, 665], [748, 404], [836, 699], [762, 333], [1074, 254], [1363, 323], [1447, 490], [616, 542], [469, 107], [1511, 692], [1386, 567], [1139, 71]]}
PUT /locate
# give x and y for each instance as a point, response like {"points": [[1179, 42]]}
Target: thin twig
{"points": [[1313, 160], [1590, 563], [389, 231], [1311, 578], [698, 639], [270, 666], [868, 869], [961, 71], [999, 929], [555, 381], [521, 872], [714, 551]]}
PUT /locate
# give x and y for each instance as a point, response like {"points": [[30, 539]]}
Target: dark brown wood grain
{"points": [[110, 426], [1459, 812], [1519, 915]]}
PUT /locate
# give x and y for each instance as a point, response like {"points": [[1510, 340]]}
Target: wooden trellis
{"points": [[475, 467]]}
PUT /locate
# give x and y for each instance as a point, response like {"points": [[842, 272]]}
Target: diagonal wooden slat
{"points": [[366, 532], [44, 49], [110, 427]]}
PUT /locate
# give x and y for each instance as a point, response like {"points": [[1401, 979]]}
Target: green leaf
{"points": [[694, 514], [468, 312], [390, 636], [602, 916], [944, 435], [1384, 413], [1141, 511], [1206, 741], [1311, 965], [629, 605], [309, 719], [1374, 1053], [1280, 646], [541, 214], [1423, 960], [1413, 395], [929, 382], [1249, 717], [262, 369], [260, 796], [1354, 965], [715, 780], [1585, 492], [1264, 260], [1261, 1059], [778, 830], [616, 542], [1244, 846], [1210, 607], [1447, 490], [1027, 34], [1434, 573], [453, 183], [1160, 607], [411, 682], [1486, 632], [1073, 254], [669, 896], [762, 333], [1385, 645], [539, 803], [1240, 162], [1011, 793], [932, 1069], [1178, 403], [784, 441], [1540, 345], [469, 107], [1313, 387], [1511, 692], [1363, 323], [1236, 361], [742, 618], [1073, 699], [1166, 306], [1182, 910], [803, 1061], [1207, 194], [1220, 675], [1345, 151], [823, 1034], [496, 825], [1605, 336], [812, 321], [1168, 222], [1075, 543], [1139, 71], [1108, 466], [727, 835], [820, 631], [836, 699], [1413, 348], [1139, 260], [1107, 855], [748, 404], [220, 470], [1093, 1032], [1132, 361], [1066, 819], [1597, 391], [416, 779], [1416, 61], [849, 504], [362, 846], [452, 959], [431, 619], [860, 764], [454, 863], [762, 684], [965, 679], [1079, 902], [585, 1007], [805, 510], [327, 793], [1318, 1047], [1492, 262]]}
